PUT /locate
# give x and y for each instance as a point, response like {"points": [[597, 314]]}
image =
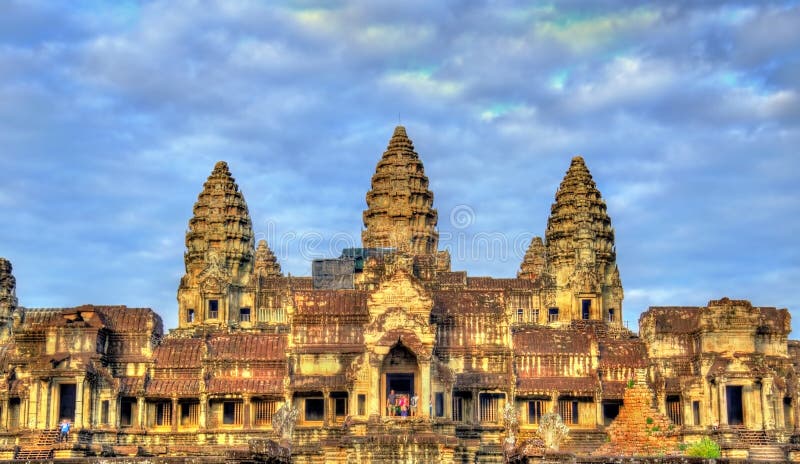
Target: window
{"points": [[244, 314], [339, 404], [490, 406], [104, 412], [610, 412], [674, 409], [362, 404], [315, 409], [458, 408], [264, 409], [439, 404], [213, 309], [535, 411], [696, 412], [586, 306], [520, 315], [190, 315], [163, 412], [127, 411], [535, 315], [552, 315], [190, 412], [568, 409], [611, 315], [232, 412]]}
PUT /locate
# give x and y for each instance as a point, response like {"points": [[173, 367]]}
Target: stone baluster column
{"points": [[476, 404], [327, 410]]}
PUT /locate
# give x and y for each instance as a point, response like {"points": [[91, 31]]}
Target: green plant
{"points": [[682, 446], [630, 383], [656, 428], [649, 420], [705, 448]]}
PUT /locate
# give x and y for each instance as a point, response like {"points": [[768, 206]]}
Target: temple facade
{"points": [[385, 354]]}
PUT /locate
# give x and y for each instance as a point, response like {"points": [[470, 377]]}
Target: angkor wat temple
{"points": [[393, 316]]}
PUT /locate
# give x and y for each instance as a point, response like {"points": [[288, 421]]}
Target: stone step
{"points": [[767, 453]]}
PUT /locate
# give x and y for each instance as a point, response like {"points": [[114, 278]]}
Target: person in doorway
{"points": [[63, 435], [413, 404], [391, 402]]}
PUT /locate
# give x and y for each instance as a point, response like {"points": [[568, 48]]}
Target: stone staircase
{"points": [[767, 453], [42, 447], [583, 442]]}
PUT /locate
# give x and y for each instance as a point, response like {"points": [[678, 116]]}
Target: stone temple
{"points": [[267, 367]]}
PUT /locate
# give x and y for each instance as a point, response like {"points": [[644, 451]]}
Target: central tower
{"points": [[400, 210]]}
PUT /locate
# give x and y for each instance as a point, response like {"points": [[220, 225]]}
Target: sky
{"points": [[112, 115]]}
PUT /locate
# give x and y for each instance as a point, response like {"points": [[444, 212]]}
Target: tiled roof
{"points": [[318, 382], [123, 319], [250, 385], [130, 385], [247, 347], [543, 340], [465, 301], [179, 353], [466, 380], [331, 303], [169, 387], [629, 353], [544, 385], [613, 389]]}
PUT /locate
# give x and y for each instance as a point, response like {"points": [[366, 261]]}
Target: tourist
{"points": [[391, 402], [64, 431], [414, 401]]}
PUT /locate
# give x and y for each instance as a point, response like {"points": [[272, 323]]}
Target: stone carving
{"points": [[266, 263], [397, 318], [8, 285], [552, 430], [284, 420], [214, 279]]}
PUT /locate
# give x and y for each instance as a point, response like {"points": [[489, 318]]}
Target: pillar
{"points": [[476, 418], [327, 412], [202, 420], [766, 404], [174, 414], [723, 411], [79, 403], [247, 411], [140, 412], [425, 379], [598, 409], [375, 406]]}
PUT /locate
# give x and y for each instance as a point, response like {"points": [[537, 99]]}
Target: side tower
{"points": [[580, 251], [400, 210], [219, 255], [8, 296]]}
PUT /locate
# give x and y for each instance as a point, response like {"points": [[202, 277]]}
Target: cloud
{"points": [[113, 115]]}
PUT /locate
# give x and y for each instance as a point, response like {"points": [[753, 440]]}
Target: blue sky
{"points": [[113, 114]]}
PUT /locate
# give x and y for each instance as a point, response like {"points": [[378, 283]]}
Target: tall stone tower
{"points": [[400, 210], [580, 251], [8, 296], [219, 255], [534, 262]]}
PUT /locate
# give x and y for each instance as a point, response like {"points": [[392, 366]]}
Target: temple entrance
{"points": [[733, 398], [66, 403], [400, 374]]}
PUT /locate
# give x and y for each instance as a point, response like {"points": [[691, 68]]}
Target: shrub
{"points": [[705, 448], [649, 420], [630, 383]]}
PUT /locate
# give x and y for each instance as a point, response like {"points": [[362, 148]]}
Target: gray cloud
{"points": [[112, 116]]}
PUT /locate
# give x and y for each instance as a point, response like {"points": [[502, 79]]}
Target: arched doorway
{"points": [[399, 373]]}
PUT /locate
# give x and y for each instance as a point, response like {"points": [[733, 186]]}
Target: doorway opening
{"points": [[66, 403], [733, 397]]}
